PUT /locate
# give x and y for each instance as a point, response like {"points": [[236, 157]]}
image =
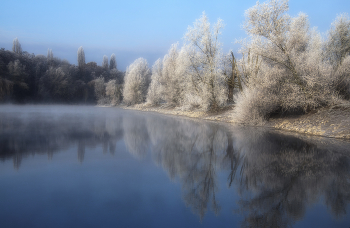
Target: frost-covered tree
{"points": [[154, 94], [204, 53], [100, 90], [137, 79], [341, 78], [114, 92], [113, 62], [81, 57], [290, 75], [172, 77], [233, 78], [248, 67], [337, 47], [168, 78], [16, 46], [105, 62], [272, 38], [337, 52]]}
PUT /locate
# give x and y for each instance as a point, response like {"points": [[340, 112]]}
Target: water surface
{"points": [[81, 166]]}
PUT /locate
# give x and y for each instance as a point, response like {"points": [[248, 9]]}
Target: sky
{"points": [[132, 29]]}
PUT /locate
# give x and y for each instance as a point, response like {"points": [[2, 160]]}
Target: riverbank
{"points": [[333, 122], [328, 122]]}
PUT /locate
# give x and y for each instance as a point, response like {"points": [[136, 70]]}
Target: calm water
{"points": [[78, 166]]}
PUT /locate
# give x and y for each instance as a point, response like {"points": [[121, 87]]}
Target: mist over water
{"points": [[84, 166]]}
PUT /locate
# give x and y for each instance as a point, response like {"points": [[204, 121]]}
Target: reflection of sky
{"points": [[104, 191]]}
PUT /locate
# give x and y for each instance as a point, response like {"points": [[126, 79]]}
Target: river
{"points": [[85, 166]]}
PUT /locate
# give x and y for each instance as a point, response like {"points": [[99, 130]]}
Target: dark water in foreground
{"points": [[77, 166]]}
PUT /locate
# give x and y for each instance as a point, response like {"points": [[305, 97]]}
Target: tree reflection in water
{"points": [[190, 151], [277, 176], [135, 135], [50, 130], [282, 175]]}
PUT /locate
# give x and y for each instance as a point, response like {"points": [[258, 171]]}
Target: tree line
{"points": [[33, 78], [286, 67]]}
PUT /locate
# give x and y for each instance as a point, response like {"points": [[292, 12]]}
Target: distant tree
{"points": [[115, 74], [16, 46], [81, 57], [137, 79], [49, 54], [113, 62], [56, 85], [17, 70], [6, 89], [105, 62], [19, 77]]}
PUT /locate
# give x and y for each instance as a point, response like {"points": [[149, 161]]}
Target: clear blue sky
{"points": [[131, 28]]}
